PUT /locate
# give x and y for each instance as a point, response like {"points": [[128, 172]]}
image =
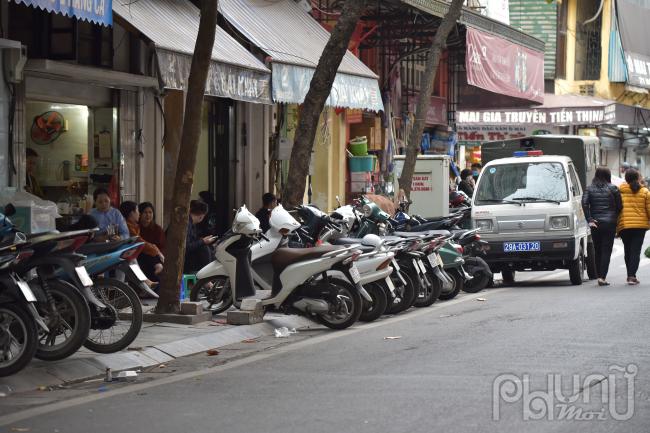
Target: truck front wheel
{"points": [[508, 276], [577, 269]]}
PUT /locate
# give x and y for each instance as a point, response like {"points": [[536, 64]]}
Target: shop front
{"points": [[621, 128], [76, 137], [293, 55], [78, 106], [231, 158]]}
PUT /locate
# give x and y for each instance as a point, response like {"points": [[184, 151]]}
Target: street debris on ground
{"points": [[127, 376], [284, 332], [393, 338], [212, 352]]}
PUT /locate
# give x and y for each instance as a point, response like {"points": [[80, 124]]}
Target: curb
{"points": [[73, 370]]}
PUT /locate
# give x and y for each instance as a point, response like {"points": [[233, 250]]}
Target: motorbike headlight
{"points": [[484, 225], [559, 222], [367, 212]]}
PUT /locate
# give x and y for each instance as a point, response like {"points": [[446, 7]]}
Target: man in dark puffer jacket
{"points": [[602, 204]]}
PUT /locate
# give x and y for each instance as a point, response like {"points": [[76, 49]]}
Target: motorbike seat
{"points": [[100, 248], [6, 258], [459, 234], [393, 240], [425, 234], [352, 241], [284, 257]]}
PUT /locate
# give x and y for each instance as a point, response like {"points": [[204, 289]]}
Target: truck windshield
{"points": [[525, 182]]}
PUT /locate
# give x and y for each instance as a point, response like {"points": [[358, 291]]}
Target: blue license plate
{"points": [[516, 247]]}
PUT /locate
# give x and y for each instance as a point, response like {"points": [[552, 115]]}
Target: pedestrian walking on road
{"points": [[633, 221], [602, 204]]}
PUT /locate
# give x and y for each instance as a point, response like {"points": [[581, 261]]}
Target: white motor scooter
{"points": [[373, 266], [300, 282]]}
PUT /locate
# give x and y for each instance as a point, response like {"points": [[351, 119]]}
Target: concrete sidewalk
{"points": [[157, 343]]}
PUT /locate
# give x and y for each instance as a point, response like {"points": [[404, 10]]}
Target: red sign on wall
{"points": [[437, 114], [503, 67]]}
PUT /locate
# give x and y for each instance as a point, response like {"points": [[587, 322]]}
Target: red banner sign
{"points": [[504, 67]]}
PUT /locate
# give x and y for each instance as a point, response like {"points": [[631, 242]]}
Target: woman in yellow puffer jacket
{"points": [[633, 221]]}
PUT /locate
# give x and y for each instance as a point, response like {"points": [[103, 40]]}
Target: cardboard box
{"points": [[358, 186], [360, 177]]}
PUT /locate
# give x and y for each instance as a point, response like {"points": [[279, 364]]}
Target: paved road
{"points": [[438, 376]]}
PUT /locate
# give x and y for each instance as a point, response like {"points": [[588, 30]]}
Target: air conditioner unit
{"points": [[14, 59]]}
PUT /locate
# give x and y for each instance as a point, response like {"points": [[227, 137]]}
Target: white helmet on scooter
{"points": [[282, 221], [372, 241], [245, 222]]}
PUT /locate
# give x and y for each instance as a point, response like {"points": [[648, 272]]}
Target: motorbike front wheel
{"points": [[68, 325], [345, 307], [18, 338], [214, 293], [458, 285], [374, 310], [405, 293], [481, 276], [115, 327], [431, 293]]}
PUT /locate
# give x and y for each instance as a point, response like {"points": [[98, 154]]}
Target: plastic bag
{"points": [[33, 214]]}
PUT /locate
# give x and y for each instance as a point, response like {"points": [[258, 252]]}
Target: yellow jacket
{"points": [[636, 209]]}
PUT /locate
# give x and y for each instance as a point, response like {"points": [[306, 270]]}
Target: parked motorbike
{"points": [[114, 327], [468, 242], [366, 216], [301, 284], [19, 319], [63, 305], [376, 263], [372, 267], [400, 287]]}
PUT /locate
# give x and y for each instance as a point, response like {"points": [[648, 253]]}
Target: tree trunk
{"points": [[424, 98], [175, 255], [319, 90]]}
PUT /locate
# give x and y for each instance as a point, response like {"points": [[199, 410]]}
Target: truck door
{"points": [[576, 198]]}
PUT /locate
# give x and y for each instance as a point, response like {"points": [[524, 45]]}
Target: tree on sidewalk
{"points": [[424, 98], [175, 257], [319, 90]]}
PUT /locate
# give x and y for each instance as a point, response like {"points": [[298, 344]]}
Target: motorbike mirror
{"points": [[338, 200], [10, 210]]}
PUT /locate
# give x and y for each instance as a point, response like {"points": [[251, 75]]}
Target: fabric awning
{"points": [[172, 25], [98, 12], [633, 17], [295, 41]]}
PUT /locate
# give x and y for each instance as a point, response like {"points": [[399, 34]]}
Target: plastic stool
{"points": [[185, 288]]}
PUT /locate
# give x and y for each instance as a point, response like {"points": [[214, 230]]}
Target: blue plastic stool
{"points": [[185, 287]]}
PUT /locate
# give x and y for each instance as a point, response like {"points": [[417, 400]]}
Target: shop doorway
{"points": [[70, 150], [222, 173]]}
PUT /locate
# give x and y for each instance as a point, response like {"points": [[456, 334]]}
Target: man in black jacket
{"points": [[602, 204], [269, 202], [466, 182], [197, 251]]}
